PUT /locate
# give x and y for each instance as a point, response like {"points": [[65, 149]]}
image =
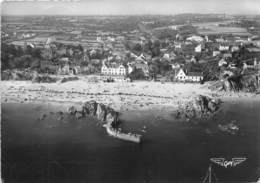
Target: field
{"points": [[214, 28]]}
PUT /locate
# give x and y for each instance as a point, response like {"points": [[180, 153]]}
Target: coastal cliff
{"points": [[245, 83]]}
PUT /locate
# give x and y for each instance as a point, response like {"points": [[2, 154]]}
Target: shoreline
{"points": [[139, 96]]}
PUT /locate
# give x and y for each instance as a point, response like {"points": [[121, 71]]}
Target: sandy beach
{"points": [[122, 96]]}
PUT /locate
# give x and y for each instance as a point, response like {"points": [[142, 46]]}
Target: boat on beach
{"points": [[124, 136]]}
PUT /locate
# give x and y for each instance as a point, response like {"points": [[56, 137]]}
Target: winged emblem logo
{"points": [[225, 163]]}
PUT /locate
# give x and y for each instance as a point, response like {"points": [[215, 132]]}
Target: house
{"points": [[222, 62], [234, 48], [64, 69], [177, 45], [215, 53], [68, 69], [175, 66], [198, 48], [227, 55], [92, 52], [223, 47], [232, 66], [64, 59], [113, 69], [180, 76], [190, 76], [220, 40]]}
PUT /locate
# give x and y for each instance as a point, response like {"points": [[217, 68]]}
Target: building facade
{"points": [[188, 77], [117, 70]]}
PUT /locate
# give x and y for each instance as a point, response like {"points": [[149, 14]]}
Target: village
{"points": [[179, 53]]}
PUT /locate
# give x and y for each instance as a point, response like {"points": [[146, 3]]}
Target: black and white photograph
{"points": [[130, 91]]}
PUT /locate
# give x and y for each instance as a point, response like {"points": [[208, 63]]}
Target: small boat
{"points": [[124, 136]]}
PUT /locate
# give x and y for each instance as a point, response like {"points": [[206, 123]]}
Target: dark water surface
{"points": [[70, 150]]}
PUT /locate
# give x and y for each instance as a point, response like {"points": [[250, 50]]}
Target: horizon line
{"points": [[146, 14]]}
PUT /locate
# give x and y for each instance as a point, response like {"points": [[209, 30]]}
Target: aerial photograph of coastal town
{"points": [[141, 91]]}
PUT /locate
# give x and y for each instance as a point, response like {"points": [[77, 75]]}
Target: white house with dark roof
{"points": [[189, 76], [113, 69], [198, 48]]}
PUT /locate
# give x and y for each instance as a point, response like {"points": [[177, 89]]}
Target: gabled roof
{"points": [[180, 70], [113, 65]]}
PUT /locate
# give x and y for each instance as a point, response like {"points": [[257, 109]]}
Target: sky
{"points": [[127, 7]]}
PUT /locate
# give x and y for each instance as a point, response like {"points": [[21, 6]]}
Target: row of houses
{"points": [[120, 70]]}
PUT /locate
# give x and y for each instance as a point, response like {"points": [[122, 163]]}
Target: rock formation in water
{"points": [[200, 107], [100, 111]]}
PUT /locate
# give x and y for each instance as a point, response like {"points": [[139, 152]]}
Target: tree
{"points": [[137, 74]]}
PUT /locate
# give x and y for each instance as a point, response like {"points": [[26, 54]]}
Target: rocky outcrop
{"points": [[90, 108], [106, 115], [200, 107], [112, 117], [250, 83], [100, 111], [246, 83]]}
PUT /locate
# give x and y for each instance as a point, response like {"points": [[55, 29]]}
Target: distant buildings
{"points": [[195, 38]]}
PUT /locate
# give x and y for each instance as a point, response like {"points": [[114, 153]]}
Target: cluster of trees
{"points": [[137, 74], [150, 47], [18, 58]]}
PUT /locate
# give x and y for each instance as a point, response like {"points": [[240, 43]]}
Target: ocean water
{"points": [[68, 150]]}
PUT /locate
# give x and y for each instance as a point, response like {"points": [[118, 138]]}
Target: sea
{"points": [[39, 145]]}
